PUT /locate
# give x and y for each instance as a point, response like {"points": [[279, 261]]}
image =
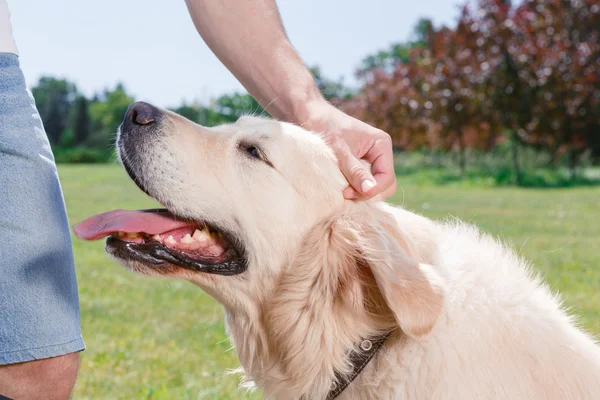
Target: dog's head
{"points": [[254, 214]]}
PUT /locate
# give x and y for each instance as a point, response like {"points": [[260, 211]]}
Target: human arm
{"points": [[248, 37]]}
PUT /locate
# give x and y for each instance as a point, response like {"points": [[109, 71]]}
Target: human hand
{"points": [[352, 141]]}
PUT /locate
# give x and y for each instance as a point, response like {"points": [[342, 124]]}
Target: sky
{"points": [[153, 48]]}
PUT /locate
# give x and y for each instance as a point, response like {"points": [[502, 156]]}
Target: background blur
{"points": [[493, 106], [460, 83]]}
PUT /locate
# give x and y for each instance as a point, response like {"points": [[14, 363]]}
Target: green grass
{"points": [[164, 339]]}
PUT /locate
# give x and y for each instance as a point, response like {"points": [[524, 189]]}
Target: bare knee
{"points": [[50, 378]]}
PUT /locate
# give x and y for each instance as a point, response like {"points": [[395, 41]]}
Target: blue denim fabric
{"points": [[39, 303]]}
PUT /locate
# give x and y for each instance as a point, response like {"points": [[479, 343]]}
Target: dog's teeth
{"points": [[156, 237], [133, 235], [187, 239], [120, 234], [201, 235], [170, 241]]}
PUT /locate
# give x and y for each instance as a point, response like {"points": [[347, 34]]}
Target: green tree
{"points": [[193, 112], [81, 121], [228, 108], [106, 113], [331, 90], [54, 99], [421, 31], [397, 53]]}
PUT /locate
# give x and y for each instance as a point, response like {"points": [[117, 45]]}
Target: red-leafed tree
{"points": [[532, 70], [435, 99], [457, 69], [564, 46], [544, 84], [393, 101]]}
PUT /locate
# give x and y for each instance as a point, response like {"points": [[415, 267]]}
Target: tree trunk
{"points": [[515, 157], [437, 158], [462, 162], [573, 161]]}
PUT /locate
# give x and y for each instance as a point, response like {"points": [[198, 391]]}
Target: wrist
{"points": [[297, 100], [303, 104]]}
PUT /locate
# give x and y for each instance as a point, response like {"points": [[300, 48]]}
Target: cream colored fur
{"points": [[471, 320]]}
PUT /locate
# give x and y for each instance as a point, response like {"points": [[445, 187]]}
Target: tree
{"points": [[456, 76], [510, 96], [399, 52], [81, 123], [530, 69], [544, 86], [387, 59], [54, 99], [436, 99], [193, 112], [568, 61], [394, 102], [421, 32], [331, 90], [228, 108], [107, 113]]}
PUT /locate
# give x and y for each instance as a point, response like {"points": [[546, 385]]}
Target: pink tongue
{"points": [[148, 221]]}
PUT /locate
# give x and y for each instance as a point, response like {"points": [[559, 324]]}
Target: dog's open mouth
{"points": [[156, 237]]}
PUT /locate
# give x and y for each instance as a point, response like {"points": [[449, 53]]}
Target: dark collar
{"points": [[359, 359]]}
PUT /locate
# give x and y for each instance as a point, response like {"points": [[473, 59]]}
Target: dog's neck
{"points": [[320, 371], [360, 358], [300, 342]]}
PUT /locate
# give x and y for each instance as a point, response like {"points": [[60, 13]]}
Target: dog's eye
{"points": [[253, 151]]}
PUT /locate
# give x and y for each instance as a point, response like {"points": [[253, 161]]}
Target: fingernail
{"points": [[367, 185]]}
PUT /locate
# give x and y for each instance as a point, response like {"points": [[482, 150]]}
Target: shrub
{"points": [[82, 155]]}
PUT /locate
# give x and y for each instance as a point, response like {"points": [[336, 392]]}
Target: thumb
{"points": [[359, 177]]}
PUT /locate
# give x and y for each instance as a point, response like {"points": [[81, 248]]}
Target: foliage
{"points": [[54, 99], [397, 53], [193, 112], [491, 168], [545, 57], [83, 130], [222, 110], [526, 73], [228, 108], [331, 90], [82, 122], [107, 111], [82, 155]]}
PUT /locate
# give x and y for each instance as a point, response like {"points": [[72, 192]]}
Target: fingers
{"points": [[381, 158], [351, 194], [359, 177]]}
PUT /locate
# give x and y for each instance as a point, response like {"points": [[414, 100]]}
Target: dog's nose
{"points": [[141, 113]]}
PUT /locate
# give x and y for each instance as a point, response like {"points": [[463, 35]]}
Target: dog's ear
{"points": [[353, 275], [413, 290]]}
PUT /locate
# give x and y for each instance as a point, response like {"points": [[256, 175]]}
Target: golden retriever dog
{"points": [[326, 297]]}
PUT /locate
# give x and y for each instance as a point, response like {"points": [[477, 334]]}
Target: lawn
{"points": [[164, 339]]}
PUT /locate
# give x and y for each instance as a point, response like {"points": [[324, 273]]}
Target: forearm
{"points": [[249, 39]]}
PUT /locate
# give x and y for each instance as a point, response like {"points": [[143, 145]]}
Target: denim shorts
{"points": [[39, 303]]}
